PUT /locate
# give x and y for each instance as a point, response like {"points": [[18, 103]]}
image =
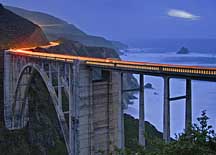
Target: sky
{"points": [[132, 19]]}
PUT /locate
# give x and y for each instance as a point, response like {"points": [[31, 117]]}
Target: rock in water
{"points": [[183, 50], [17, 32], [148, 86]]}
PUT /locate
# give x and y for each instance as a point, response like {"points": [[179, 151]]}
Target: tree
{"points": [[199, 139]]}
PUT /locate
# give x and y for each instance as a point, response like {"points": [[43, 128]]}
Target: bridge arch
{"points": [[20, 103]]}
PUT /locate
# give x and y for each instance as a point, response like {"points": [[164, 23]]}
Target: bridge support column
{"points": [[7, 91], [59, 88], [141, 112], [188, 106], [121, 117], [166, 110], [73, 105], [50, 73], [85, 115], [2, 88], [42, 66], [107, 114]]}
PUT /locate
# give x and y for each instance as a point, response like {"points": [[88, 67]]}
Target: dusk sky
{"points": [[132, 19]]}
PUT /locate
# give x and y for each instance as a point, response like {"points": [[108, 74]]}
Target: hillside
{"points": [[76, 48], [119, 45], [56, 28], [42, 135], [18, 32], [131, 132]]}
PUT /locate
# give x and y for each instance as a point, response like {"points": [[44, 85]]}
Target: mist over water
{"points": [[194, 45], [203, 93]]}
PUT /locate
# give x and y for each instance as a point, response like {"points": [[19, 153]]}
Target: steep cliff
{"points": [[56, 28], [16, 32], [76, 48]]}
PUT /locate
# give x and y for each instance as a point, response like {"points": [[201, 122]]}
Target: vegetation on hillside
{"points": [[131, 132], [199, 139], [42, 135]]}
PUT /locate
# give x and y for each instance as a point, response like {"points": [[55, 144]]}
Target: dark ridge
{"points": [[58, 28], [18, 32]]}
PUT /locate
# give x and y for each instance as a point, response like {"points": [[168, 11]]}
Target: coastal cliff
{"points": [[56, 28], [17, 32]]}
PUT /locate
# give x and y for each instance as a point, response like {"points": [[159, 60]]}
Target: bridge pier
{"points": [[141, 130], [166, 110], [97, 127], [121, 117], [188, 106], [50, 73], [141, 112], [2, 88], [7, 90], [74, 77], [107, 114], [83, 110], [59, 87]]}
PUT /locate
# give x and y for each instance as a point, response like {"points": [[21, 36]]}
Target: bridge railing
{"points": [[123, 65]]}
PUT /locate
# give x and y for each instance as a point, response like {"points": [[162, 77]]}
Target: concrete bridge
{"points": [[95, 109]]}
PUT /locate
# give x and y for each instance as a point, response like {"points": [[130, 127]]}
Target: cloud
{"points": [[182, 14]]}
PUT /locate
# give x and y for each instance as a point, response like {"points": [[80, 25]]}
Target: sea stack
{"points": [[183, 50]]}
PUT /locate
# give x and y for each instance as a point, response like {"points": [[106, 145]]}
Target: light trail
{"points": [[50, 25], [51, 44], [154, 67]]}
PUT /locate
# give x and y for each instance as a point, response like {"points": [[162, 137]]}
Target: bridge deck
{"points": [[178, 71]]}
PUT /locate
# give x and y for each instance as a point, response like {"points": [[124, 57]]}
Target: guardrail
{"points": [[100, 62]]}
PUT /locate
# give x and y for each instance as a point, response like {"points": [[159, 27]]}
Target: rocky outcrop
{"points": [[78, 49], [183, 50], [17, 32], [148, 86]]}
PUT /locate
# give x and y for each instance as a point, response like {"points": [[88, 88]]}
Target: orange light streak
{"points": [[98, 61]]}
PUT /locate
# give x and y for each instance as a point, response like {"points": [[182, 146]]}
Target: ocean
{"points": [[203, 96]]}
